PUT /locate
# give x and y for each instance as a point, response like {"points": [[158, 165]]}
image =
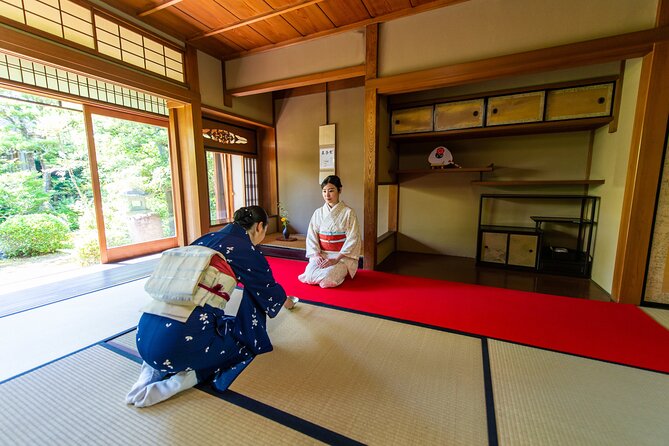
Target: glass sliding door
{"points": [[131, 163]]}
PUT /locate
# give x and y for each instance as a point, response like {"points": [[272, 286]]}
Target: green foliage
{"points": [[22, 193], [44, 165], [34, 234], [87, 248]]}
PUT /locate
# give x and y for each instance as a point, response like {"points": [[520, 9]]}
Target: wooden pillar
{"points": [[186, 135], [371, 149], [643, 175]]}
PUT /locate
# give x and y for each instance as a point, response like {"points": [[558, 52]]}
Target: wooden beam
{"points": [[371, 150], [643, 175], [662, 15], [267, 170], [227, 97], [233, 117], [300, 81], [258, 18], [371, 51], [370, 164], [158, 7], [606, 49]]}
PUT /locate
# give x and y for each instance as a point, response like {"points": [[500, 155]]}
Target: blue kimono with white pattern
{"points": [[217, 346]]}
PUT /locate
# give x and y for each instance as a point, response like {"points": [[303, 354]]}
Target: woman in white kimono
{"points": [[333, 240]]}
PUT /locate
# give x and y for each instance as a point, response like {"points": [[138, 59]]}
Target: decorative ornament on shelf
{"points": [[441, 158]]}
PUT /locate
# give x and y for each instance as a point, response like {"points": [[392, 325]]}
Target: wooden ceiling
{"points": [[231, 28]]}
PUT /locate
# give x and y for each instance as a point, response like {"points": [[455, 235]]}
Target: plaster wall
{"points": [[210, 71], [480, 29], [297, 122]]}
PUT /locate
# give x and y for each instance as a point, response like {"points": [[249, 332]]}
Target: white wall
{"points": [[327, 53], [297, 122], [382, 210], [609, 161], [210, 70], [439, 212], [480, 29]]}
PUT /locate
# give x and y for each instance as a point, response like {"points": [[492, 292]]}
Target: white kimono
{"points": [[332, 231]]}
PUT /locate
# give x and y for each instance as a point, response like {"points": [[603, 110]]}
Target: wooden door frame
{"points": [[108, 255]]}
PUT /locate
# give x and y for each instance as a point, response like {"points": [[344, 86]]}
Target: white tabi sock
{"points": [[147, 375], [161, 390]]}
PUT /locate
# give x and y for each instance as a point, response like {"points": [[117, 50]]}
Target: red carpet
{"points": [[611, 332]]}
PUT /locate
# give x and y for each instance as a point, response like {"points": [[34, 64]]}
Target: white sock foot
{"points": [[161, 390], [147, 375], [325, 283]]}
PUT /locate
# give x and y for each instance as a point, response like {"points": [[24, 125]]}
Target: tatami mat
{"points": [[372, 380], [79, 400], [127, 340], [547, 398], [661, 316]]}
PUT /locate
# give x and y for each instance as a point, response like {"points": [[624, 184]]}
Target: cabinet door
{"points": [[493, 247], [523, 250], [580, 102], [412, 120], [458, 115], [515, 108]]}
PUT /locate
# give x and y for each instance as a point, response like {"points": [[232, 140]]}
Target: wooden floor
{"points": [[464, 269]]}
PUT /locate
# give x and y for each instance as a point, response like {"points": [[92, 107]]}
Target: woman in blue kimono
{"points": [[212, 346]]}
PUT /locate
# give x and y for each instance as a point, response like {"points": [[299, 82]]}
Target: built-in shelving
{"points": [[572, 125], [501, 183], [447, 170]]}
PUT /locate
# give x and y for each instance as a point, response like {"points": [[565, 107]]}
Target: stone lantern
{"points": [[143, 224]]}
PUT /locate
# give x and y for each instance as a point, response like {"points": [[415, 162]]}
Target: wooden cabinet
{"points": [[493, 247], [523, 250], [515, 108], [567, 107], [508, 245], [412, 120], [580, 102], [459, 115]]}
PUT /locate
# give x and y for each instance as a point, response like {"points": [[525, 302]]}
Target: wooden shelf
{"points": [[449, 170], [538, 182], [572, 125]]}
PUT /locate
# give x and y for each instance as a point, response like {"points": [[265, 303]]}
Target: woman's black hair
{"points": [[332, 179], [249, 215]]}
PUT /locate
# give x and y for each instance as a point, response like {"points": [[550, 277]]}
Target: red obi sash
{"points": [[332, 242], [221, 265]]}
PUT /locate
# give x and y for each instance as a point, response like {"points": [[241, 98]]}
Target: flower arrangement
{"points": [[283, 213]]}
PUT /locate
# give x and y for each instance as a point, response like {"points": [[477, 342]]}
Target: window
{"points": [[232, 175], [101, 32]]}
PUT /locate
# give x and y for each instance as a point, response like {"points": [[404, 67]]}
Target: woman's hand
{"points": [[320, 260], [328, 262]]}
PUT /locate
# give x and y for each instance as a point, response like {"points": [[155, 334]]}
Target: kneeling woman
{"points": [[333, 239], [210, 345]]}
